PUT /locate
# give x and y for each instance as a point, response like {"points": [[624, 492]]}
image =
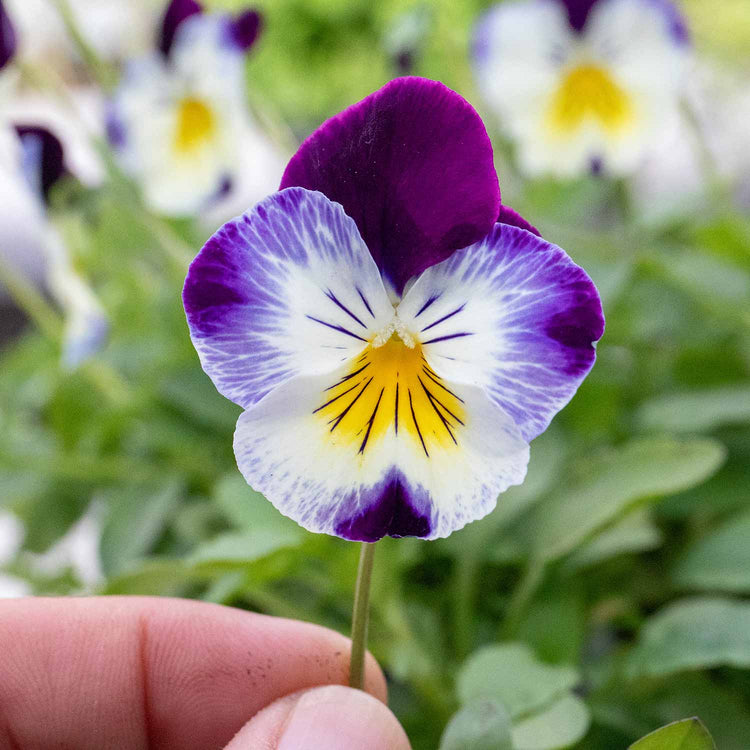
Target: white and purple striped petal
{"points": [[513, 315], [287, 289]]}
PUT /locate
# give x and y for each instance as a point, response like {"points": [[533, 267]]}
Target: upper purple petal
{"points": [[177, 11], [508, 216], [245, 29], [412, 165], [7, 37]]}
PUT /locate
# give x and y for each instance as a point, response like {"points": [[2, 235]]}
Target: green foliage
{"points": [[720, 560], [481, 725], [693, 634], [689, 734], [545, 714]]}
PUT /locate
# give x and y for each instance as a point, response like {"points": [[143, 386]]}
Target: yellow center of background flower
{"points": [[196, 124], [391, 387], [589, 92]]}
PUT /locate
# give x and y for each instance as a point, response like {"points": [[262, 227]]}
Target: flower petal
{"points": [[8, 40], [412, 165], [288, 288], [245, 29], [43, 158], [578, 12], [177, 11], [513, 315], [405, 480], [508, 216]]}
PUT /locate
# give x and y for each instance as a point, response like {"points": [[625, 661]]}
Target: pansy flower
{"points": [[394, 346], [31, 163], [179, 115], [582, 85], [7, 37]]}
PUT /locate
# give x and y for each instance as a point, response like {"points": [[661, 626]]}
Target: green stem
{"points": [[360, 616]]}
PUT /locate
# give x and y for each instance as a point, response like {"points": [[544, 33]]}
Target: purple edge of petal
{"points": [[8, 39], [51, 157], [177, 11], [507, 215], [394, 510], [245, 29]]}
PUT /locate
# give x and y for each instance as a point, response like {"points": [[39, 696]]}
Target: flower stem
{"points": [[360, 616]]}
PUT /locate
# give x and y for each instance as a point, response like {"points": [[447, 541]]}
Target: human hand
{"points": [[134, 672]]}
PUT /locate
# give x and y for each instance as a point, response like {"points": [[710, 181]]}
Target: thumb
{"points": [[324, 718]]}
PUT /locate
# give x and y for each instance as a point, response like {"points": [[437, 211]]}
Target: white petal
{"points": [[351, 468]]}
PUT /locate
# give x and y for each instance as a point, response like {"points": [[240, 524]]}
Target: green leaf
{"points": [[137, 517], [636, 532], [696, 411], [239, 548], [246, 508], [617, 480], [689, 734], [693, 634], [720, 560], [481, 725], [510, 673], [563, 724]]}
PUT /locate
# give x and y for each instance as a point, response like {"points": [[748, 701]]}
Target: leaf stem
{"points": [[360, 616]]}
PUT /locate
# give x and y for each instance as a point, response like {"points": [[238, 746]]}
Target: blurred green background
{"points": [[623, 562]]}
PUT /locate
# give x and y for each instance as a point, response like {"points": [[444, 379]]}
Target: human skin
{"points": [[137, 672]]}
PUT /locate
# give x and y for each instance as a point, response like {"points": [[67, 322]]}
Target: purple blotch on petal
{"points": [[578, 12], [48, 156], [177, 11], [677, 23], [245, 29], [114, 127], [395, 510], [507, 215], [412, 165], [8, 39]]}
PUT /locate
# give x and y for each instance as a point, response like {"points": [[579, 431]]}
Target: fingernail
{"points": [[341, 718]]}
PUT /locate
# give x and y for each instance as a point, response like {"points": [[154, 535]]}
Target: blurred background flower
{"points": [[597, 581], [582, 85]]}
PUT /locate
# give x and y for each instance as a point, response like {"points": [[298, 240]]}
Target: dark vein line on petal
{"points": [[445, 317], [336, 328], [331, 296]]}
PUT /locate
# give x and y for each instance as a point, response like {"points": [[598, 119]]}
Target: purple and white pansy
{"points": [[31, 163], [395, 335], [582, 85], [179, 115]]}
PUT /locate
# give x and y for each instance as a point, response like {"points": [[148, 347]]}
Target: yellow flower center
{"points": [[588, 91], [196, 124], [390, 386]]}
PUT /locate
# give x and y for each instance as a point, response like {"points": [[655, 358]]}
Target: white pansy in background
{"points": [[706, 145], [179, 118], [114, 30], [582, 85]]}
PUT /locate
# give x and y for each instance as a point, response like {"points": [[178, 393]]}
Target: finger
{"points": [[136, 672], [324, 718]]}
